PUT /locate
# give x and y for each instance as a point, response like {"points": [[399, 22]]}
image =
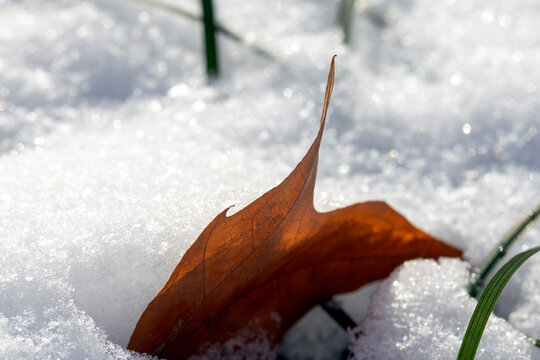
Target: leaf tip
{"points": [[328, 92]]}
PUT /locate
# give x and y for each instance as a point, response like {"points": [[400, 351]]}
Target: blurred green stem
{"points": [[345, 18], [482, 273], [212, 67], [173, 9]]}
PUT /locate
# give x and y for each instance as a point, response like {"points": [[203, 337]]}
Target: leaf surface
{"points": [[265, 266]]}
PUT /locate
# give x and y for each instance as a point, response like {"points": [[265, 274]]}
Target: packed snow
{"points": [[399, 327], [115, 152]]}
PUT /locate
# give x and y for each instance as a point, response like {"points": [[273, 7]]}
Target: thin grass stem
{"points": [[345, 18], [219, 28], [482, 273], [212, 65], [336, 312]]}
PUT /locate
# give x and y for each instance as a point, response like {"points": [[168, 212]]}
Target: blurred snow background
{"points": [[115, 153]]}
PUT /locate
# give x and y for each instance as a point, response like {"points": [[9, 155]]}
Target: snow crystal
{"points": [[58, 331], [242, 345]]}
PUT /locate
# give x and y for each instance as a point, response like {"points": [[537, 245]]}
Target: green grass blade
{"points": [[212, 68], [480, 275], [486, 303], [345, 18]]}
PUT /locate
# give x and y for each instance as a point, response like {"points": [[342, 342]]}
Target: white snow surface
{"points": [[115, 152], [422, 310]]}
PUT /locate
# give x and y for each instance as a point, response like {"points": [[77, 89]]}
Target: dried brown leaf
{"points": [[277, 256]]}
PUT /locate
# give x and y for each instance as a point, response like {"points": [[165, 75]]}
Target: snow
{"points": [[115, 153], [399, 327]]}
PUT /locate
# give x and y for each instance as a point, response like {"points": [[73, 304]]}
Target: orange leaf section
{"points": [[278, 256]]}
